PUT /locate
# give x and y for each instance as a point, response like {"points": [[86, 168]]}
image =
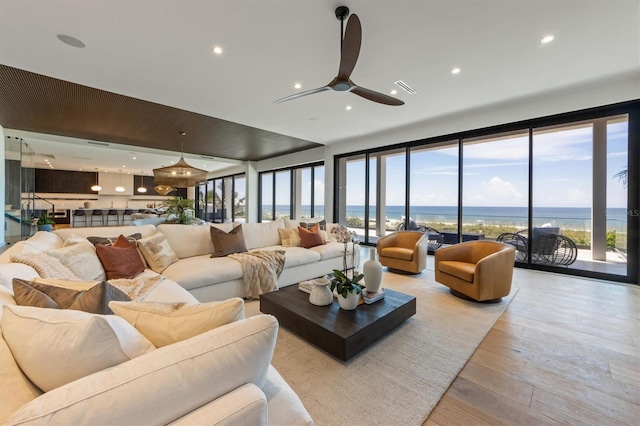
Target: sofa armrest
{"points": [[246, 405], [163, 385]]}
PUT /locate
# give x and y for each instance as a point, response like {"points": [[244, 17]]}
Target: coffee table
{"points": [[340, 333]]}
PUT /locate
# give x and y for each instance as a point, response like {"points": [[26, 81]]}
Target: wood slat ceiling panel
{"points": [[37, 103]]}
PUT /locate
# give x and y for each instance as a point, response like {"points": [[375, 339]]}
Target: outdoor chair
{"points": [[434, 237], [548, 246]]}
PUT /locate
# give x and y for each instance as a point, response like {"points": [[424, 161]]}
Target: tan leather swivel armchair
{"points": [[403, 251], [478, 270]]}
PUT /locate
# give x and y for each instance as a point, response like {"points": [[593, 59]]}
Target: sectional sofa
{"points": [[222, 376]]}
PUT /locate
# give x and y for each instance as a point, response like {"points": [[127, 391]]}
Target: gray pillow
{"points": [[95, 300]]}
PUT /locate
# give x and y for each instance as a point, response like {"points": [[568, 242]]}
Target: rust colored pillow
{"points": [[310, 238], [120, 260]]}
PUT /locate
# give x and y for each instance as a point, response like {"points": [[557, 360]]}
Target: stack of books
{"points": [[306, 286], [370, 298]]}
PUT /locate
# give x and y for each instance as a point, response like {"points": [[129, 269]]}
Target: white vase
{"points": [[372, 270], [350, 302], [321, 294]]}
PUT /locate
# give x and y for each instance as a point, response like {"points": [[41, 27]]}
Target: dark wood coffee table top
{"points": [[340, 333]]}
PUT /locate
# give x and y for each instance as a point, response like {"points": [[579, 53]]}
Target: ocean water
{"points": [[565, 217]]}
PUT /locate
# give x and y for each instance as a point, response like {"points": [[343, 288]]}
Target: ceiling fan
{"points": [[349, 51]]}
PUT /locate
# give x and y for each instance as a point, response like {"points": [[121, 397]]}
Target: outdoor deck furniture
{"points": [[452, 237], [434, 237], [481, 271], [548, 246]]}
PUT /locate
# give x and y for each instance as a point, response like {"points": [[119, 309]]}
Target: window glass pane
{"points": [[303, 177], [227, 199], [209, 201], [239, 198], [434, 192], [267, 196], [495, 185], [351, 189], [283, 195], [617, 186], [390, 180]]}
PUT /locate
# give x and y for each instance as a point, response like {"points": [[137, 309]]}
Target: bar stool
{"points": [[127, 212], [113, 214], [97, 214], [77, 215]]}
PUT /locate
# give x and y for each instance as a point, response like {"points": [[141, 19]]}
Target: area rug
{"points": [[401, 377]]}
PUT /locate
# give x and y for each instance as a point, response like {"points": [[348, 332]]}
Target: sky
{"points": [[495, 172]]}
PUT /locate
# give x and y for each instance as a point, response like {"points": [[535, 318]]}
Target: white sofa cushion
{"points": [[9, 271], [191, 240], [44, 241], [166, 384], [54, 347], [262, 234], [104, 231], [331, 250], [167, 323], [295, 256], [21, 247], [200, 271]]}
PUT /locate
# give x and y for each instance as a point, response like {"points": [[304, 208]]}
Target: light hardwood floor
{"points": [[566, 350]]}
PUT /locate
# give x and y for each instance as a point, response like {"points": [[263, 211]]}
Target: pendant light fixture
{"points": [[120, 188], [163, 189], [96, 187], [179, 175], [141, 188]]}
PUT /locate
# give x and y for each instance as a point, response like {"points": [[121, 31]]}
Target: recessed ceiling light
{"points": [[123, 166], [71, 41], [348, 108], [297, 86], [133, 158], [394, 92], [217, 50], [547, 39], [456, 70]]}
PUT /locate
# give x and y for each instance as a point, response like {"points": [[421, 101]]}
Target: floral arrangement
{"points": [[343, 235]]}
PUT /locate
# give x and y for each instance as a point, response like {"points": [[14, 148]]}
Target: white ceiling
{"points": [[160, 51]]}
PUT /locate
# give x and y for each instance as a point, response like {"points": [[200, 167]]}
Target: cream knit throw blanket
{"points": [[260, 271]]}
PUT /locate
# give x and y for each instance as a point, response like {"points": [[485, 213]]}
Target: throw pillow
{"points": [[74, 239], [309, 225], [72, 284], [55, 347], [164, 324], [94, 300], [81, 259], [289, 237], [225, 243], [111, 240], [44, 241], [120, 260], [157, 252], [310, 238], [46, 266]]}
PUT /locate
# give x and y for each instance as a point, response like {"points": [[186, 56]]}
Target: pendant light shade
{"points": [[179, 175], [96, 187], [163, 189], [120, 188], [141, 188]]}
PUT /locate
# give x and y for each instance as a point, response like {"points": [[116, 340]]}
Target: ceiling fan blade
{"points": [[350, 48], [376, 96], [301, 94]]}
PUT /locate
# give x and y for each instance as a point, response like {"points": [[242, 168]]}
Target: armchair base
{"points": [[465, 297]]}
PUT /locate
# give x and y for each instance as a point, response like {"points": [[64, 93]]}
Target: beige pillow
{"points": [[44, 241], [164, 324], [289, 237], [54, 347], [82, 260], [157, 252], [71, 284], [46, 266], [75, 239]]}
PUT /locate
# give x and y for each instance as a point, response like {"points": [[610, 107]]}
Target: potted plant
{"points": [[179, 206], [347, 288], [45, 223]]}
